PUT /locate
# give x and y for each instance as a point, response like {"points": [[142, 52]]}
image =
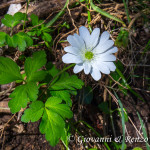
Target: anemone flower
{"points": [[91, 52]]}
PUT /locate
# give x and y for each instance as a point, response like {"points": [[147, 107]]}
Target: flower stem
{"points": [[26, 15], [89, 17], [127, 12], [48, 85], [66, 68], [11, 31]]}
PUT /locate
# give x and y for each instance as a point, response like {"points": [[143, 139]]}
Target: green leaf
{"points": [[34, 113], [64, 95], [32, 65], [104, 107], [137, 148], [46, 37], [65, 135], [38, 76], [52, 70], [19, 99], [123, 38], [8, 20], [22, 95], [44, 28], [34, 19], [53, 123], [2, 38], [53, 103], [9, 71], [9, 40], [31, 33], [19, 16], [32, 91], [39, 32], [64, 85], [22, 40], [66, 82], [19, 41], [28, 40], [12, 21]]}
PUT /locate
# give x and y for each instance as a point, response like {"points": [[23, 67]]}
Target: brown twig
{"points": [[6, 125], [7, 91], [73, 22], [117, 82]]}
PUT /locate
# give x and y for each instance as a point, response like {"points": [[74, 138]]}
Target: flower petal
{"points": [[78, 68], [104, 37], [105, 46], [108, 58], [112, 50], [72, 50], [70, 58], [95, 73], [76, 41], [103, 68], [94, 38], [85, 34], [110, 65], [87, 67]]}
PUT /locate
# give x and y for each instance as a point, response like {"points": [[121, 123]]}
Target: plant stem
{"points": [[58, 15], [127, 12], [26, 14], [66, 68], [89, 17], [11, 31], [48, 85]]}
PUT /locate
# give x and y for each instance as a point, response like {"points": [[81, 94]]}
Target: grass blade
{"points": [[123, 121], [106, 14], [108, 148], [144, 131], [58, 15], [128, 86], [127, 12]]}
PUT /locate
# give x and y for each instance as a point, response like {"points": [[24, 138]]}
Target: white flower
{"points": [[91, 52], [13, 8]]}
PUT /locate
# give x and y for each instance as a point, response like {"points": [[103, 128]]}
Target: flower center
{"points": [[89, 55]]}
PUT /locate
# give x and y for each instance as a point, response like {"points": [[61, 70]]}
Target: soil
{"points": [[24, 137]]}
